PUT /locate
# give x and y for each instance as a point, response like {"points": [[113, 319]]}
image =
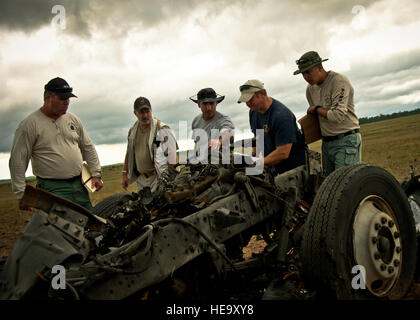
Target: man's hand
{"points": [[254, 151], [318, 111], [124, 181], [24, 207], [97, 183], [214, 144], [311, 110]]}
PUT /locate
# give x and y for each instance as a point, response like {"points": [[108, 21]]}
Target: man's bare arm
{"points": [[281, 153]]}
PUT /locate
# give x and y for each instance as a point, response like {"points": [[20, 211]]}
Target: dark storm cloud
{"points": [[83, 17], [390, 67], [9, 120], [286, 30], [30, 15]]}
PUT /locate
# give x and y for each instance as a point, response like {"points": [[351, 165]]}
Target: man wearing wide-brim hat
{"points": [[330, 97], [211, 129]]}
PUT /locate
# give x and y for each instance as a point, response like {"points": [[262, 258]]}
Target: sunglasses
{"points": [[246, 87], [304, 60]]}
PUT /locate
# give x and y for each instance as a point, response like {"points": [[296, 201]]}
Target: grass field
{"points": [[391, 144]]}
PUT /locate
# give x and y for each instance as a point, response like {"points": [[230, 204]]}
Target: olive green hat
{"points": [[307, 61]]}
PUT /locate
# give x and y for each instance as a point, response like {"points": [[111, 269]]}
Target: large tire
{"points": [[349, 225], [107, 206]]}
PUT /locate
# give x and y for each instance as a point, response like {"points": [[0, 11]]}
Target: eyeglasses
{"points": [[246, 87]]}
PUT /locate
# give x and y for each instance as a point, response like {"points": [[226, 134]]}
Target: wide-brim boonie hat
{"points": [[207, 95], [307, 61]]}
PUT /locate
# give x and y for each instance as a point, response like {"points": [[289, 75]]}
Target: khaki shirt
{"points": [[56, 149], [144, 162], [336, 94], [159, 156]]}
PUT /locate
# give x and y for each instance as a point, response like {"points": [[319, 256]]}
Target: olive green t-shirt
{"points": [[142, 152]]}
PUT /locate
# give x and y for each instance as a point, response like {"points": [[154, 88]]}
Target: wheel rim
{"points": [[377, 244]]}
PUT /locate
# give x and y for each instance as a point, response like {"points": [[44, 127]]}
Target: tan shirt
{"points": [[144, 163], [336, 94], [56, 149]]}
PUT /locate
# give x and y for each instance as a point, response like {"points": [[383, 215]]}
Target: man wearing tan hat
{"points": [[330, 98], [151, 149], [56, 143], [284, 146]]}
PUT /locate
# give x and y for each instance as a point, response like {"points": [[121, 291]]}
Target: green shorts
{"points": [[341, 152], [70, 189]]}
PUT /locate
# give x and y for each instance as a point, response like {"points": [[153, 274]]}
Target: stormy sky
{"points": [[111, 52]]}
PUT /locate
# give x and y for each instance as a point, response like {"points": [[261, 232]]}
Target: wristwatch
{"points": [[316, 109]]}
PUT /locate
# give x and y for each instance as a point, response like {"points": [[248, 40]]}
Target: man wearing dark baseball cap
{"points": [[56, 143], [284, 147], [151, 149], [330, 97], [59, 87]]}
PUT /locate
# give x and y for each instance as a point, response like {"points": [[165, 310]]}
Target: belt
{"points": [[341, 135], [148, 175], [67, 180]]}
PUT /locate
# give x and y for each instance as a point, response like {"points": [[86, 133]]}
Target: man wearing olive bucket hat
{"points": [[330, 98], [218, 128]]}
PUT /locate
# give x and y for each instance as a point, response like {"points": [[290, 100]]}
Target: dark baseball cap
{"points": [[142, 102], [60, 87]]}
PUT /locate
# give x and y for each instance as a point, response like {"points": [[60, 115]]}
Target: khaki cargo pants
{"points": [[341, 152], [71, 189]]}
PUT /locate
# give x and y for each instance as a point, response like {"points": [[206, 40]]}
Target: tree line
{"points": [[389, 116]]}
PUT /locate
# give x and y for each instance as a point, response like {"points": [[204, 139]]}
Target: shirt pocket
{"points": [[71, 134]]}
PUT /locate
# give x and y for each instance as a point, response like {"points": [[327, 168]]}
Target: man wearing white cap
{"points": [[284, 146]]}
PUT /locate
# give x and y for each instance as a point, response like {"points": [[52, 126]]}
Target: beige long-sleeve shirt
{"points": [[335, 94], [56, 149]]}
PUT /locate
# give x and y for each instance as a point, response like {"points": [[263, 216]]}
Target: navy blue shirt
{"points": [[280, 128]]}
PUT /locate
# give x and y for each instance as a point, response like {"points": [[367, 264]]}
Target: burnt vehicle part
{"points": [[174, 242]]}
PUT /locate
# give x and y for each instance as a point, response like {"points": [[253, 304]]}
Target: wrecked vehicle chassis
{"points": [[183, 240]]}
